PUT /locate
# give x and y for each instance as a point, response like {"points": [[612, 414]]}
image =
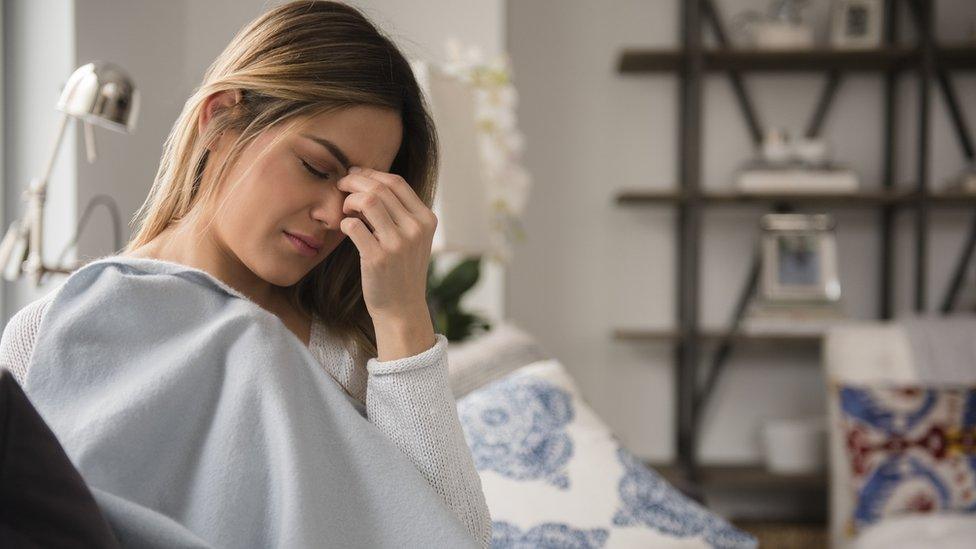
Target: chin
{"points": [[285, 279], [280, 273]]}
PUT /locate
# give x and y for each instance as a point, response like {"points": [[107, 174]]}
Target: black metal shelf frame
{"points": [[691, 62]]}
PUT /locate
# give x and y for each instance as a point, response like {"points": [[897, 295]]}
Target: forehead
{"points": [[369, 136]]}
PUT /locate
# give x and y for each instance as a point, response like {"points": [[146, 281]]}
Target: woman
{"points": [[309, 128]]}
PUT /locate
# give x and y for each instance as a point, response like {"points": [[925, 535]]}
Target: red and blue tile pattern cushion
{"points": [[911, 449], [555, 476]]}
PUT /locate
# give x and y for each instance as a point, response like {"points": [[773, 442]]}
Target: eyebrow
{"points": [[333, 148]]}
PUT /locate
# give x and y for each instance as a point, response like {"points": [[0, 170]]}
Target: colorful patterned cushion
{"points": [[911, 449], [555, 476]]}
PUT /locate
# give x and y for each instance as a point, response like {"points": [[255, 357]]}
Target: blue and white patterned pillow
{"points": [[555, 476]]}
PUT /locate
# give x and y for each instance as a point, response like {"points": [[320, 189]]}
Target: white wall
{"points": [[39, 54], [590, 265], [147, 40]]}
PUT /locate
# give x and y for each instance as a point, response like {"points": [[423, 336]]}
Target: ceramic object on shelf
{"points": [[795, 446]]}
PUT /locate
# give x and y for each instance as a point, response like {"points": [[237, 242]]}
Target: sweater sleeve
{"points": [[19, 335], [410, 400]]}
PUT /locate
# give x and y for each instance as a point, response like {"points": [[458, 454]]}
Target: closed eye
{"points": [[314, 172]]}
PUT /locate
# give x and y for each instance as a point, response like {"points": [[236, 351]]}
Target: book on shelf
{"points": [[791, 318], [796, 180]]}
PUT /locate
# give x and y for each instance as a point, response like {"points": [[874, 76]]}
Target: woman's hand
{"points": [[394, 250]]}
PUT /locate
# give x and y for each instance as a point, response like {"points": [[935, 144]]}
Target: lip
{"points": [[305, 244]]}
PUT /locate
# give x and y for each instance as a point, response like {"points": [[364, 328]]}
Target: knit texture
{"points": [[408, 399]]}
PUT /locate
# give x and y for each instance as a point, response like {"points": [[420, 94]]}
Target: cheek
{"points": [[246, 214]]}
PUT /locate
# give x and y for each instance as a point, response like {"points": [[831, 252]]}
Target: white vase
{"points": [[794, 446]]}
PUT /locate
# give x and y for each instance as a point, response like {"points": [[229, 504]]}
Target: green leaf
{"points": [[461, 279], [459, 325]]}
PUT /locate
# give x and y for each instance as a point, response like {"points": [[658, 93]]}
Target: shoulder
{"points": [[28, 318], [19, 335]]}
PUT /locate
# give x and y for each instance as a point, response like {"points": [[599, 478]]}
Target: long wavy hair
{"points": [[298, 59]]}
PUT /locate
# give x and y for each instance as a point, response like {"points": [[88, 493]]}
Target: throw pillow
{"points": [[555, 476], [911, 449]]}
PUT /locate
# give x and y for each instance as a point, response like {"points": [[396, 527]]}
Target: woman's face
{"points": [[290, 190]]}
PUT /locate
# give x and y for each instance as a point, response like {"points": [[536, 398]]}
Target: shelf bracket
{"points": [[823, 104], [725, 345], [735, 79], [724, 350], [946, 87]]}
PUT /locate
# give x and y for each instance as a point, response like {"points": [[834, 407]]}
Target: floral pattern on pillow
{"points": [[508, 536], [912, 449], [646, 498], [517, 430]]}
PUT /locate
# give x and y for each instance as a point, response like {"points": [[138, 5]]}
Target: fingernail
{"points": [[355, 169]]}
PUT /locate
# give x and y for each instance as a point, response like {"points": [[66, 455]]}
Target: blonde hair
{"points": [[299, 59]]}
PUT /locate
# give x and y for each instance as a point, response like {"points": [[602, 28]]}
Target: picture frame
{"points": [[856, 24], [799, 259]]}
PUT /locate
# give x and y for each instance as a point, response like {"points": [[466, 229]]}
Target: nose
{"points": [[327, 208]]}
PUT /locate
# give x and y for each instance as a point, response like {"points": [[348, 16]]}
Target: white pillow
{"points": [[555, 476]]}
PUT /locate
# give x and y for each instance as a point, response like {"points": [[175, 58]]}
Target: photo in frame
{"points": [[856, 23], [799, 259]]}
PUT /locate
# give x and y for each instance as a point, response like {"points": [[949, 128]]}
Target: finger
{"points": [[394, 206], [364, 240], [375, 212], [400, 188]]}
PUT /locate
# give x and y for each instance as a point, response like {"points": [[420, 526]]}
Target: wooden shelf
{"points": [[647, 60], [958, 57], [854, 200], [744, 477], [820, 59], [942, 200], [868, 199], [666, 335]]}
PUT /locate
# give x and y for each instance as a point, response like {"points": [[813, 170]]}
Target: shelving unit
{"points": [[959, 56], [931, 63], [853, 200], [746, 477], [666, 336]]}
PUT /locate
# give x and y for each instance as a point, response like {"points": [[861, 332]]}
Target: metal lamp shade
{"points": [[101, 93]]}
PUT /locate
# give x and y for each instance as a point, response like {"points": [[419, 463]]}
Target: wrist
{"points": [[403, 334]]}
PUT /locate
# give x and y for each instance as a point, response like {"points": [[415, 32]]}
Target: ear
{"points": [[213, 103]]}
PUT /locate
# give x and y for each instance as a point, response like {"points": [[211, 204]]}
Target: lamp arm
{"points": [[8, 243], [37, 191], [113, 210]]}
